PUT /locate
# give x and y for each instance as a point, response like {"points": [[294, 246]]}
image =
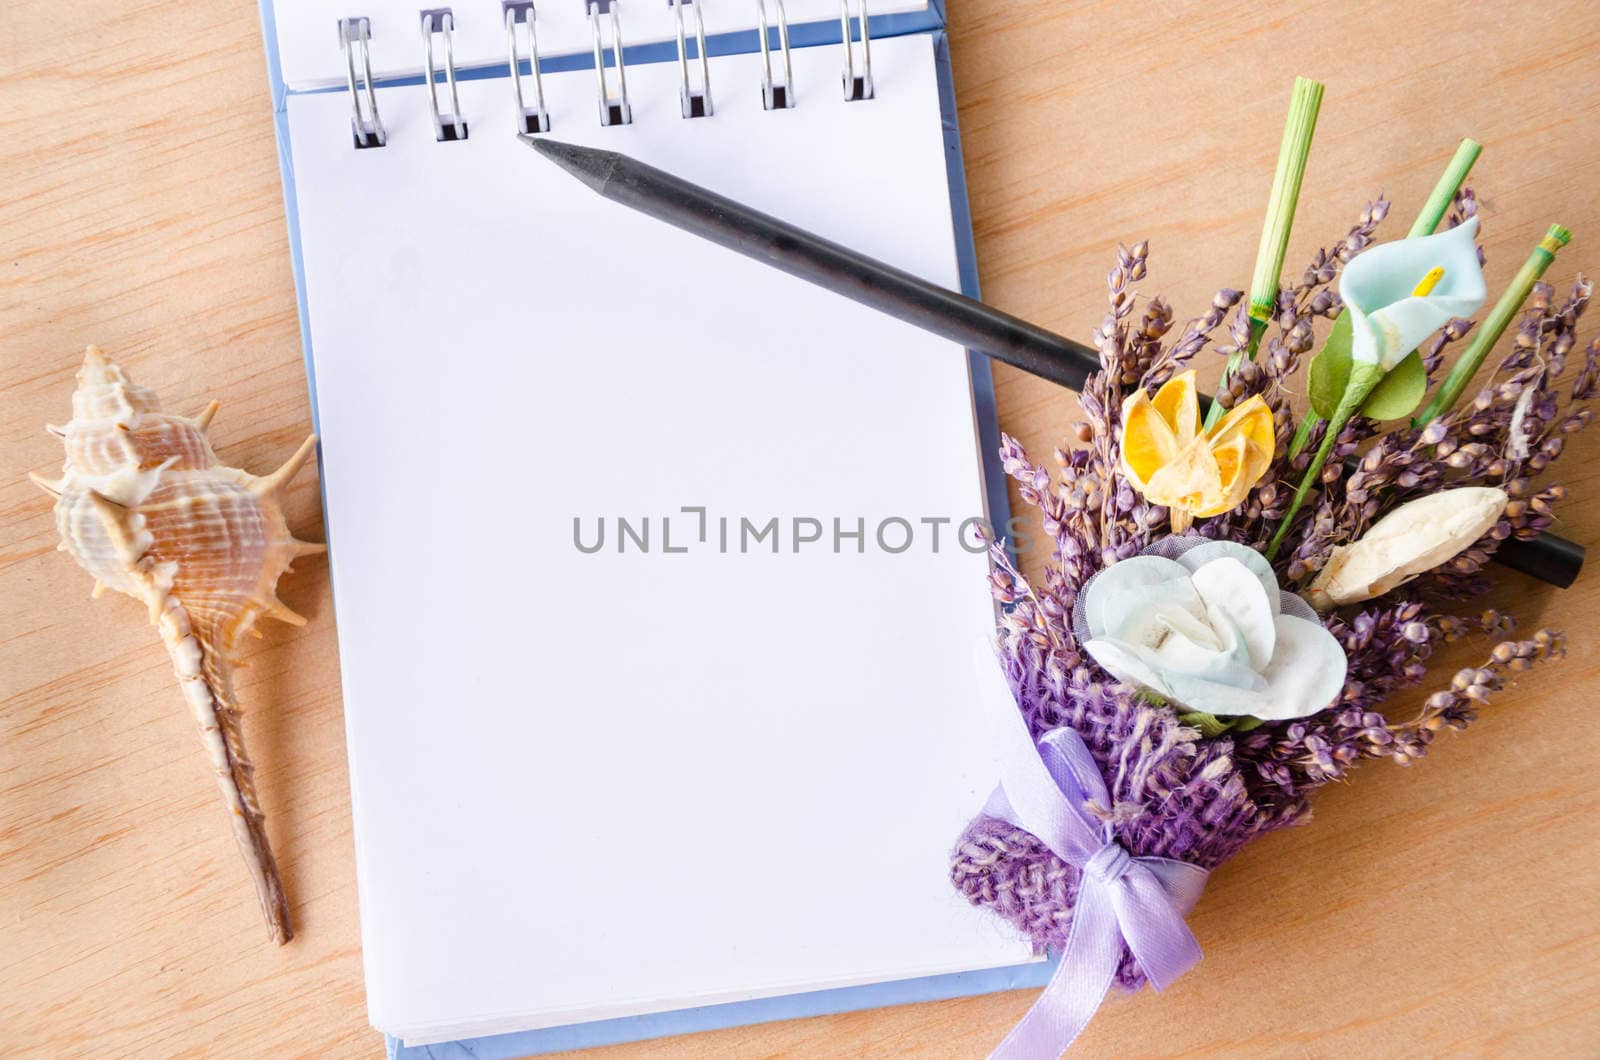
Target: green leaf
{"points": [[1210, 725], [1398, 394], [1246, 723], [1330, 369]]}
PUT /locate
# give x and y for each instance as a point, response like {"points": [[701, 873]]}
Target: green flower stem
{"points": [[1292, 153], [1444, 192], [1363, 377], [1494, 326], [1427, 222], [1210, 725], [1302, 433], [1304, 105]]}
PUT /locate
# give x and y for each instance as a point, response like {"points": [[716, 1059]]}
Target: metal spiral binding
{"points": [[612, 111], [367, 130], [446, 126], [693, 104], [856, 86], [775, 97], [534, 119]]}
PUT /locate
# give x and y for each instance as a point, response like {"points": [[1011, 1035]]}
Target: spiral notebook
{"points": [[650, 564]]}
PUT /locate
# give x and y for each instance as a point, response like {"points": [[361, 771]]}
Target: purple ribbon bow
{"points": [[1046, 789]]}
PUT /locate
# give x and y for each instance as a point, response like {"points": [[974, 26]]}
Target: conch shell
{"points": [[145, 507]]}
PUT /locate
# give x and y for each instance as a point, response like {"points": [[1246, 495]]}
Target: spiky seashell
{"points": [[146, 507]]}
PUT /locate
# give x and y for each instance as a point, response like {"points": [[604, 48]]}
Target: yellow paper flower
{"points": [[1193, 473]]}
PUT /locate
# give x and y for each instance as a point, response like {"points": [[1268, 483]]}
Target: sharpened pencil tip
{"points": [[589, 165]]}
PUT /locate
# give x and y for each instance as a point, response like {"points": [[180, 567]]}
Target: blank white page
{"points": [[308, 35], [594, 785]]}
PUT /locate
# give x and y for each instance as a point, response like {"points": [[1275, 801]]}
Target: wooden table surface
{"points": [[1445, 909]]}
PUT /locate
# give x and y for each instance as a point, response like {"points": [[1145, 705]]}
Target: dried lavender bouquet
{"points": [[1200, 743]]}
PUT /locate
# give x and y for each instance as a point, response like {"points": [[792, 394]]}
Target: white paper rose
{"points": [[1204, 624]]}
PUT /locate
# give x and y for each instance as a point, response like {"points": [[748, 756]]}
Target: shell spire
{"points": [[145, 506], [278, 479]]}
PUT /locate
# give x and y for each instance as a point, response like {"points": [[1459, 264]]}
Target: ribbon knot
{"points": [[1125, 904], [1109, 864]]}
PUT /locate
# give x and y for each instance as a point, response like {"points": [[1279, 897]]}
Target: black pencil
{"points": [[896, 292], [949, 314]]}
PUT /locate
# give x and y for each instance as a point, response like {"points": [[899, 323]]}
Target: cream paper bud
{"points": [[1414, 538]]}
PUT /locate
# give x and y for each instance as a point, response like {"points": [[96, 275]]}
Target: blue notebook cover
{"points": [[794, 1006]]}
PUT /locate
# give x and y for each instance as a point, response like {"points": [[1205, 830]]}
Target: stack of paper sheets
{"points": [[597, 784]]}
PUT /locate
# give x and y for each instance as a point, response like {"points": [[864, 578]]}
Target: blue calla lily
{"points": [[1395, 296], [1399, 293]]}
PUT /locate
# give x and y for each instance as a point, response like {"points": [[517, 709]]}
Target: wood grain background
{"points": [[1445, 909]]}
